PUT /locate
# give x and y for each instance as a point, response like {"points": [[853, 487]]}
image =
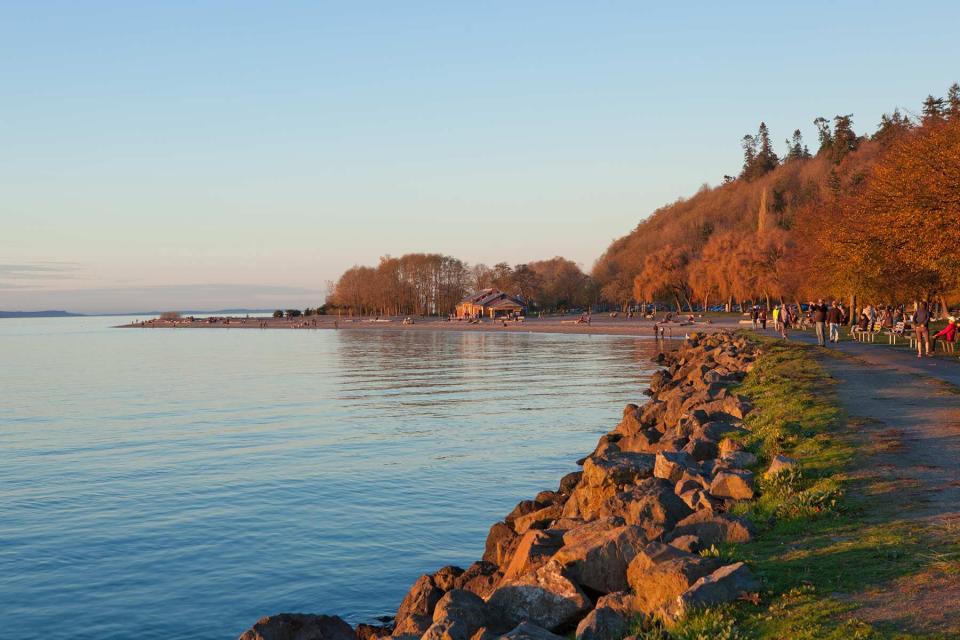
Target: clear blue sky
{"points": [[208, 154]]}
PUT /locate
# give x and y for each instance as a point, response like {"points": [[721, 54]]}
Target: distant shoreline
{"points": [[599, 325]]}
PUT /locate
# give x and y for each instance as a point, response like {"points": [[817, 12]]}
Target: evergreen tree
{"points": [[953, 101], [934, 109], [796, 150], [766, 157], [759, 157], [824, 134], [891, 126], [749, 144], [844, 138]]}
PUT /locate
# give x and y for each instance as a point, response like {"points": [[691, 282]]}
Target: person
{"points": [[777, 310], [819, 312], [871, 315], [763, 318], [754, 316], [948, 334], [921, 325], [834, 320]]}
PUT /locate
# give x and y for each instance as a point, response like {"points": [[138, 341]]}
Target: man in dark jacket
{"points": [[834, 320], [819, 311]]}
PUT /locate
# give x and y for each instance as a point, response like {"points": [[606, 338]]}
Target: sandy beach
{"points": [[599, 324]]}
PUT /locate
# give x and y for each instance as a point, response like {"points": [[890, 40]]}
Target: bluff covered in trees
{"points": [[871, 215], [876, 216]]}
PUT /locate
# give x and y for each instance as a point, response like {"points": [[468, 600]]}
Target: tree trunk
{"points": [[853, 307]]}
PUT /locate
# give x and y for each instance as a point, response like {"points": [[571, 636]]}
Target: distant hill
{"points": [[68, 314], [38, 314], [188, 312]]}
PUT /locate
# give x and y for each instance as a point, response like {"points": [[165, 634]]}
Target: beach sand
{"points": [[599, 325]]}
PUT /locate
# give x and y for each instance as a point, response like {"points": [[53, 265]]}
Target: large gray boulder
{"points": [[458, 615], [532, 552], [599, 561], [415, 613], [713, 528], [735, 484], [480, 578], [651, 505], [528, 631], [726, 584], [660, 573], [546, 598], [603, 623], [299, 626], [501, 543]]}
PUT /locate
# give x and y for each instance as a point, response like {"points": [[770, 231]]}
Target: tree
{"points": [[953, 101], [758, 155], [844, 138], [824, 135], [891, 127], [278, 313], [912, 200], [934, 109], [796, 150]]}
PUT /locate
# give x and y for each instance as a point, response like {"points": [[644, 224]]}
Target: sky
{"points": [[205, 155]]}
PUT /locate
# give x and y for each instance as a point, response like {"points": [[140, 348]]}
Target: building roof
{"points": [[493, 297]]}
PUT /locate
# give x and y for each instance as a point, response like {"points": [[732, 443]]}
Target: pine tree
{"points": [[953, 101], [823, 133], [796, 150], [749, 144], [933, 109], [759, 157], [766, 157], [891, 126], [844, 138]]}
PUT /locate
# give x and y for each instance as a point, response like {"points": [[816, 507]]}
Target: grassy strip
{"points": [[821, 534]]}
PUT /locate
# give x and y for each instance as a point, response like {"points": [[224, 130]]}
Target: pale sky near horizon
{"points": [[240, 154]]}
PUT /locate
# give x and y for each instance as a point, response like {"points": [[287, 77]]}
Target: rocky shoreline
{"points": [[616, 542]]}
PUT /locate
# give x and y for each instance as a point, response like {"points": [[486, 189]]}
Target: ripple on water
{"points": [[159, 484]]}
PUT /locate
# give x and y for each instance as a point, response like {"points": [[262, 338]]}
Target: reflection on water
{"points": [[182, 483]]}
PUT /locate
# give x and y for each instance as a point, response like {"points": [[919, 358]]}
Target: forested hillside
{"points": [[872, 215], [876, 216]]}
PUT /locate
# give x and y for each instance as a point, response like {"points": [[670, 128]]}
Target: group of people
{"points": [[827, 319]]}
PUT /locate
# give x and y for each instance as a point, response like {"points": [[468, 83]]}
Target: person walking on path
{"points": [[819, 311], [834, 319], [763, 318], [921, 325]]}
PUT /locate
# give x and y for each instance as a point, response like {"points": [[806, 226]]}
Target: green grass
{"points": [[822, 536]]}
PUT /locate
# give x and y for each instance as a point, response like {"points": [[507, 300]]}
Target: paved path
{"points": [[907, 411], [881, 354]]}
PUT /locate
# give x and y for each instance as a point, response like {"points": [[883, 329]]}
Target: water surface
{"points": [[181, 483]]}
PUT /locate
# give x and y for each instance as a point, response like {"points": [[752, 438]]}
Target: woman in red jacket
{"points": [[948, 334]]}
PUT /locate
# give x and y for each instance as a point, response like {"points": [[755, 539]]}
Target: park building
{"points": [[490, 303]]}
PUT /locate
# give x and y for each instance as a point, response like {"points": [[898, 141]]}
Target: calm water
{"points": [[183, 483]]}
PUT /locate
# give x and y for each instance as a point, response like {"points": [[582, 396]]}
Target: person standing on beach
{"points": [[921, 325], [820, 321]]}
